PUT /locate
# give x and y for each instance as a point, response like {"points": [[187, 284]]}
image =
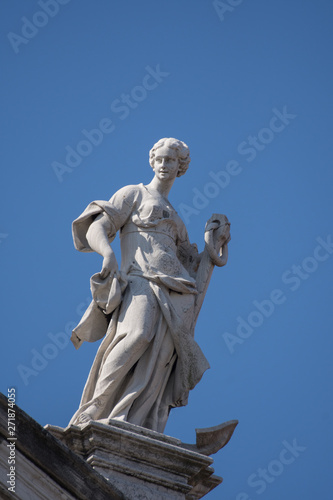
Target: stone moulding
{"points": [[46, 469], [142, 464]]}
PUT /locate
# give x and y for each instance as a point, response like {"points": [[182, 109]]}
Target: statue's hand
{"points": [[110, 265]]}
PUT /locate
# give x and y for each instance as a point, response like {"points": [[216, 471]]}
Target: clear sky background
{"points": [[249, 89]]}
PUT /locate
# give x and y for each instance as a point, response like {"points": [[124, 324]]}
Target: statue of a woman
{"points": [[147, 310]]}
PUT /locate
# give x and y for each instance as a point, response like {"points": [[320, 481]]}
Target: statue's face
{"points": [[166, 163]]}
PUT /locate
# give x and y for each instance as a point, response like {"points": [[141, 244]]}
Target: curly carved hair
{"points": [[182, 149]]}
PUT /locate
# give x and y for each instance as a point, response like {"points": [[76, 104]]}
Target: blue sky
{"points": [[248, 88]]}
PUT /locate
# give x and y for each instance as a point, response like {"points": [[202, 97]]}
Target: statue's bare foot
{"points": [[84, 418], [91, 413]]}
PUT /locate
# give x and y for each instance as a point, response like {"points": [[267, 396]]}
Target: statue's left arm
{"points": [[217, 237]]}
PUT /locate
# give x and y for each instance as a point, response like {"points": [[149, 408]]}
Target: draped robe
{"points": [[148, 360]]}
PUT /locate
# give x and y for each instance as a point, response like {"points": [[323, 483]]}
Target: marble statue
{"points": [[146, 310]]}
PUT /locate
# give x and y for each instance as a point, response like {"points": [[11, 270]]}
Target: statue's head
{"points": [[182, 150]]}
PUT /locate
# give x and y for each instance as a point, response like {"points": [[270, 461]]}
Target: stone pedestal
{"points": [[142, 464]]}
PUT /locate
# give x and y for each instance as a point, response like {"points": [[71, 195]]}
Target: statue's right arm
{"points": [[97, 237], [103, 229]]}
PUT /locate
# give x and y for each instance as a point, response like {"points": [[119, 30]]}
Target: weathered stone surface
{"points": [[45, 468], [211, 439], [143, 464]]}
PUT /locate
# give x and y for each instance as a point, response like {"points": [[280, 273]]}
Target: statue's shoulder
{"points": [[128, 193]]}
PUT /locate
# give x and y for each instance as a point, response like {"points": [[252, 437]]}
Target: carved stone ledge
{"points": [[142, 464], [45, 468]]}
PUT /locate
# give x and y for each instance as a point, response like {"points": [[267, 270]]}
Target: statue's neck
{"points": [[163, 188]]}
